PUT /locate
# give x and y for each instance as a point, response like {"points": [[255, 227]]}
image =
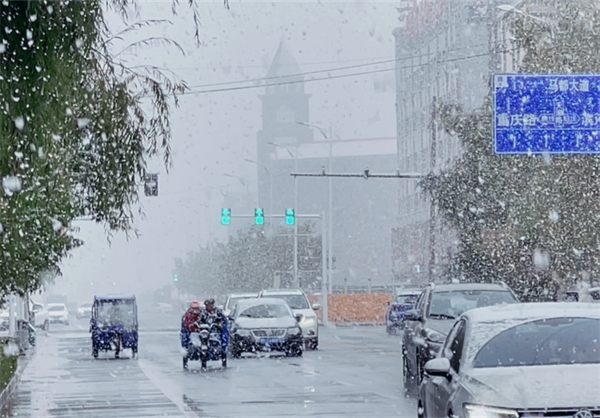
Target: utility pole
{"points": [[432, 164]]}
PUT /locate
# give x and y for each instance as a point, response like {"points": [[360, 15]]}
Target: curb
{"points": [[22, 362]]}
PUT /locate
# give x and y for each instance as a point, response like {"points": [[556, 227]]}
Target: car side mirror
{"points": [[316, 307], [230, 318], [299, 317], [438, 367], [413, 315]]}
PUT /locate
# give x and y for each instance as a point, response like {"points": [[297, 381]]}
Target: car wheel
{"points": [[410, 386], [185, 363], [388, 329], [95, 353], [421, 410]]}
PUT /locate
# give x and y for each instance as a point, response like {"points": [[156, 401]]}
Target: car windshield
{"points": [[294, 301], [233, 301], [449, 305], [406, 299], [116, 313], [543, 342], [56, 308], [265, 311], [86, 306]]}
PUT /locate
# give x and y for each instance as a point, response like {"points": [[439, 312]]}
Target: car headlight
{"points": [[481, 411], [242, 332], [434, 336], [294, 331], [307, 322]]}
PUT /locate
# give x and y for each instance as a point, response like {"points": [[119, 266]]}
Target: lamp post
{"points": [[329, 283]]}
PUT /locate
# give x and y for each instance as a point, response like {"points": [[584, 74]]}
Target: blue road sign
{"points": [[555, 114]]}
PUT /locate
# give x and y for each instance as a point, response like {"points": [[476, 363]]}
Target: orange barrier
{"points": [[355, 308]]}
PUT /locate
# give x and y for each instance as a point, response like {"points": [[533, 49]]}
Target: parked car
{"points": [[298, 302], [4, 319], [526, 360], [404, 301], [265, 324], [41, 317], [84, 311], [233, 299], [58, 313], [437, 309]]}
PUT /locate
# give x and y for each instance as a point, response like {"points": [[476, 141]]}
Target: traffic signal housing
{"points": [[290, 216], [259, 216], [225, 216]]}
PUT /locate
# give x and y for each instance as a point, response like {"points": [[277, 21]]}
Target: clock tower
{"points": [[285, 111]]}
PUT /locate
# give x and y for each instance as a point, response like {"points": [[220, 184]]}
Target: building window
{"points": [[285, 114]]}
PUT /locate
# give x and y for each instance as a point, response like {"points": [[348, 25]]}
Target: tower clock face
{"points": [[285, 114]]}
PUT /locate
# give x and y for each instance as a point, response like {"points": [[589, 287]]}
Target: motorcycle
{"points": [[208, 344]]}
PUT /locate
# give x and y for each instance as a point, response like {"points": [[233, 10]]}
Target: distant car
{"points": [[437, 309], [404, 301], [41, 318], [525, 360], [84, 311], [164, 307], [233, 299], [4, 319], [595, 294], [265, 324], [58, 313], [298, 302]]}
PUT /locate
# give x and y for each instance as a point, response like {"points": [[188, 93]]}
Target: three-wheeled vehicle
{"points": [[114, 324], [209, 344]]}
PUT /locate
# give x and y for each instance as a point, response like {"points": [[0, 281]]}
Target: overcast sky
{"points": [[214, 133]]}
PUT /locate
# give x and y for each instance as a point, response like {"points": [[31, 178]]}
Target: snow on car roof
{"points": [[247, 303], [243, 295], [282, 292], [405, 292], [527, 311], [468, 286], [115, 297]]}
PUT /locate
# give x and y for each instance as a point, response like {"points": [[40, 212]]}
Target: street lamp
{"points": [[330, 198]]}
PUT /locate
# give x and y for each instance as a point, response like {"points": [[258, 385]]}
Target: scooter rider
{"points": [[214, 316]]}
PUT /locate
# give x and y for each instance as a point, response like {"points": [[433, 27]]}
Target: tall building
{"points": [[444, 53], [363, 211]]}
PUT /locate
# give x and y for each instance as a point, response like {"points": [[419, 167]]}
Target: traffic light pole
{"points": [[324, 276]]}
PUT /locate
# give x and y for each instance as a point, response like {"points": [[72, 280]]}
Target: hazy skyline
{"points": [[215, 133]]}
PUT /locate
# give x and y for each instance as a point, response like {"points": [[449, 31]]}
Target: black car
{"points": [[404, 301], [434, 315], [265, 325]]}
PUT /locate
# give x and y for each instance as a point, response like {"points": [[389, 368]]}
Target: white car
{"points": [[518, 360], [84, 311], [233, 299], [41, 316], [58, 313], [298, 302]]}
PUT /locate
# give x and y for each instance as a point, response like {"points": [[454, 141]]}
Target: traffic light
{"points": [[175, 278], [225, 216], [290, 216], [151, 184], [259, 216]]}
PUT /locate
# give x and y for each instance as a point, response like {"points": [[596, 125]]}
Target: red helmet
{"points": [[195, 304]]}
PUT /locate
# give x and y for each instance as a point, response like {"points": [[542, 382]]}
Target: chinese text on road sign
{"points": [[556, 114]]}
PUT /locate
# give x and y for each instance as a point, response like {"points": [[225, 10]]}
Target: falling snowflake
{"points": [[82, 122], [553, 216], [11, 184], [56, 225], [20, 123]]}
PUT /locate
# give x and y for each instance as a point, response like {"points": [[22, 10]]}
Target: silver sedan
{"points": [[525, 360]]}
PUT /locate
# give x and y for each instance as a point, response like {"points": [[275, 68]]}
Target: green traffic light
{"points": [[290, 216], [175, 278], [225, 216], [259, 216]]}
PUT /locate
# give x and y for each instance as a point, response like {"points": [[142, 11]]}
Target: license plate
{"points": [[269, 341]]}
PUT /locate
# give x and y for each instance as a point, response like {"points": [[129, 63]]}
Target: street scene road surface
{"points": [[356, 372]]}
